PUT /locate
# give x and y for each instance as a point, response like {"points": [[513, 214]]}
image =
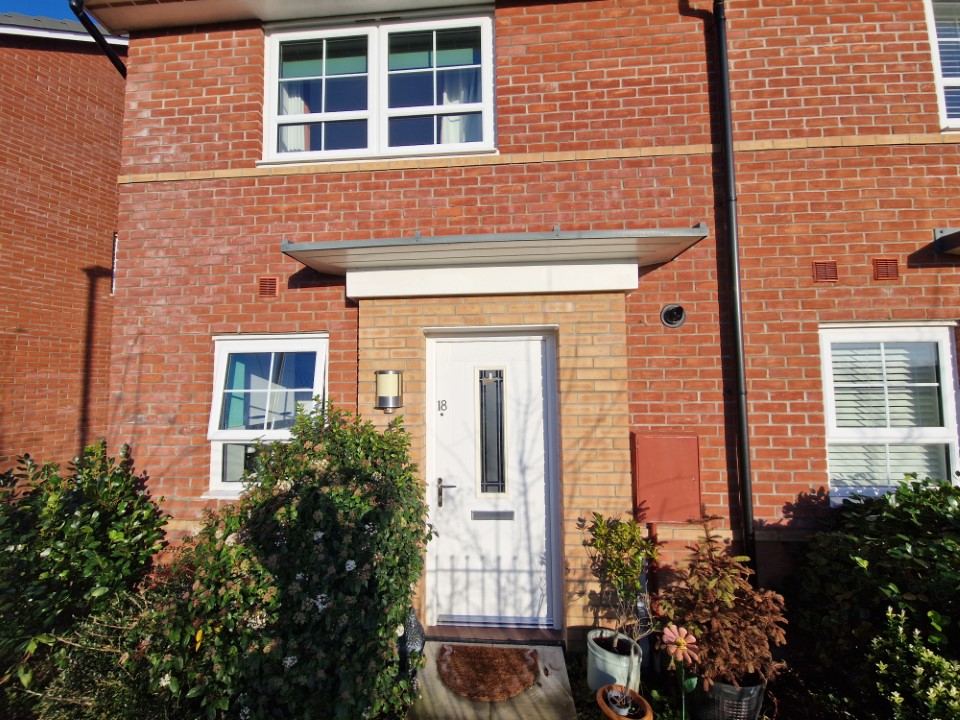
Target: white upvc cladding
{"points": [[890, 401]]}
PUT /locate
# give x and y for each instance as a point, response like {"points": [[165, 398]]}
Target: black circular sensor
{"points": [[673, 316]]}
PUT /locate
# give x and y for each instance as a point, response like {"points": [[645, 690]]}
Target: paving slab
{"points": [[549, 697]]}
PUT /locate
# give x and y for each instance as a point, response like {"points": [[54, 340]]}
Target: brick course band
{"points": [[946, 138]]}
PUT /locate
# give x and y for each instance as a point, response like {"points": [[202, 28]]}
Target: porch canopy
{"points": [[495, 264]]}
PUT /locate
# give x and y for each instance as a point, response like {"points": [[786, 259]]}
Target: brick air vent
{"points": [[885, 269], [825, 271], [267, 286]]}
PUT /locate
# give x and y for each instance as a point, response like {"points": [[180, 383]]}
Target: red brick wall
{"points": [[603, 123], [60, 113]]}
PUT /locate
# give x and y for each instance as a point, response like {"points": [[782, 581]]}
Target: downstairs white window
{"points": [[259, 383], [890, 401]]}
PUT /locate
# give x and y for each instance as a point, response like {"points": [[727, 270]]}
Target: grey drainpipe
{"points": [[77, 7], [736, 304]]}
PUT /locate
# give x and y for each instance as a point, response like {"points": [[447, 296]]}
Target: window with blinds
{"points": [[945, 33], [890, 406]]}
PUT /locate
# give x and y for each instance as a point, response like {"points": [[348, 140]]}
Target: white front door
{"points": [[491, 428]]}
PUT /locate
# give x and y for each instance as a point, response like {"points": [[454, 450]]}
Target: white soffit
{"points": [[128, 15], [495, 264]]}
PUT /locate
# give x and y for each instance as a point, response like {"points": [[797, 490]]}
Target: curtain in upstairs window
{"points": [[457, 87], [293, 138], [301, 72]]}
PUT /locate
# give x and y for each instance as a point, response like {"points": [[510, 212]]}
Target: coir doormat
{"points": [[487, 673]]}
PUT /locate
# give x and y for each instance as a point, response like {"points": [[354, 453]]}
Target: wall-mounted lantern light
{"points": [[389, 390]]}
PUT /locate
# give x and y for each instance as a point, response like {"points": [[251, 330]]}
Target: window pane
{"points": [[856, 466], [411, 131], [347, 135], [883, 466], [887, 385], [952, 96], [301, 59], [244, 410], [300, 138], [236, 460], [298, 97], [411, 89], [347, 55], [911, 362], [925, 460], [248, 371], [950, 59], [915, 407], [458, 86], [491, 432], [283, 408], [346, 93], [409, 51], [460, 128], [458, 47], [857, 363], [947, 19], [294, 370], [860, 407]]}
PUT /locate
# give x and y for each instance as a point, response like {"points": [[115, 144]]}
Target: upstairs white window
{"points": [[945, 32], [890, 406], [259, 383], [381, 90]]}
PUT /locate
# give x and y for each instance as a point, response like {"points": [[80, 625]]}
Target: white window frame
{"points": [[942, 82], [378, 113], [224, 346], [940, 333]]}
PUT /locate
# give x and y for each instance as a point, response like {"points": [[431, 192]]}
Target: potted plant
{"points": [[734, 625], [620, 554], [616, 701]]}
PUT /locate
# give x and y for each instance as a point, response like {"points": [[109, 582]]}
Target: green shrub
{"points": [[914, 681], [68, 544], [899, 551], [96, 673], [287, 603], [620, 554]]}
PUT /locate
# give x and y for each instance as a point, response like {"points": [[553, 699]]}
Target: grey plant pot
{"points": [[726, 702]]}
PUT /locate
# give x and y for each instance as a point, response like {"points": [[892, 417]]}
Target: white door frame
{"points": [[552, 512]]}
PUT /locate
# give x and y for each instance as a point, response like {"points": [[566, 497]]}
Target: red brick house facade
{"points": [[62, 106], [499, 202]]}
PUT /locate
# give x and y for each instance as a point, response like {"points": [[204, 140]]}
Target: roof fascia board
{"points": [[58, 35]]}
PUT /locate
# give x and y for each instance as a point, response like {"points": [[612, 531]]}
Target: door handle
{"points": [[440, 487]]}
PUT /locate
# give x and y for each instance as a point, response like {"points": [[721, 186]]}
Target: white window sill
{"points": [[222, 495], [378, 159]]}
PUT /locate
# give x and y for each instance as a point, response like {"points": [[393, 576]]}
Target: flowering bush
{"points": [[914, 681], [69, 542], [288, 603]]}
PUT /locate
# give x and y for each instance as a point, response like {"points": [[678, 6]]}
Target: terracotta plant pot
{"points": [[639, 708]]}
